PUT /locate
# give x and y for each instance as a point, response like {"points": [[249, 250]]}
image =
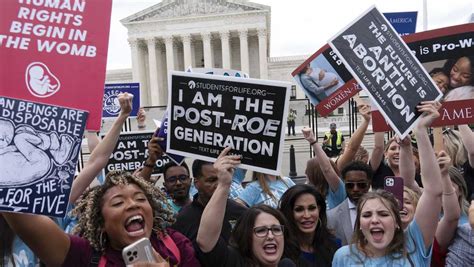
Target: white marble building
{"points": [[175, 34]]}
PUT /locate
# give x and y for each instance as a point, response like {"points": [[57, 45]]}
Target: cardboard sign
{"points": [[131, 152], [385, 67], [39, 148], [403, 22], [210, 112], [111, 105], [55, 52], [439, 50]]}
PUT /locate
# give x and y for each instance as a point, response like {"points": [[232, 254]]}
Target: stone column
{"points": [[262, 53], [169, 52], [244, 51], [206, 43], [153, 69], [225, 49], [133, 42], [187, 52]]}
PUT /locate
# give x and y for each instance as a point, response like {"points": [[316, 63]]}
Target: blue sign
{"points": [[403, 22], [163, 133], [111, 105]]}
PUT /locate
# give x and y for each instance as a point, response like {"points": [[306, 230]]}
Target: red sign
{"points": [[55, 52]]}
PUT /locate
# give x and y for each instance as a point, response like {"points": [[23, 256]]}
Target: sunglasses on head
{"points": [[360, 185], [174, 179]]}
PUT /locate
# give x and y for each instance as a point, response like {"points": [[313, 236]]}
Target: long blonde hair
{"points": [[262, 181]]}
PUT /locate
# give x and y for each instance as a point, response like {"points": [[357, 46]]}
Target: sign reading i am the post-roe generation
{"points": [[209, 112], [385, 67]]}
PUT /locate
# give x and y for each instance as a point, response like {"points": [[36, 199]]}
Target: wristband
{"points": [[314, 142]]}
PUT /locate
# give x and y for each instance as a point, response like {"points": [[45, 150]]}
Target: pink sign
{"points": [[55, 52]]}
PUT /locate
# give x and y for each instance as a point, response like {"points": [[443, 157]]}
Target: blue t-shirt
{"points": [[419, 255], [236, 185], [253, 194], [335, 198], [22, 255]]}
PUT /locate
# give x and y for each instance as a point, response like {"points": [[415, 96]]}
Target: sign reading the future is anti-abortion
{"points": [[210, 112], [39, 150], [385, 67], [55, 52], [111, 105]]}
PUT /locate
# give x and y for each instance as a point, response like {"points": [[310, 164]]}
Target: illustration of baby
{"points": [[325, 78], [39, 82], [23, 153]]}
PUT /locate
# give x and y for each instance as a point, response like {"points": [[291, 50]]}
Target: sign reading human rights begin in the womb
{"points": [[55, 52]]}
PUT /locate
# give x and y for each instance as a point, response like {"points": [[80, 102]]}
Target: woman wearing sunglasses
{"points": [[258, 238]]}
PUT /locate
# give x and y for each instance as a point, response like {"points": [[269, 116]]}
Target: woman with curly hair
{"points": [[121, 211], [305, 211]]}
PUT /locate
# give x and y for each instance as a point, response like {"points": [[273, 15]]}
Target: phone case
{"points": [[140, 250], [394, 185]]}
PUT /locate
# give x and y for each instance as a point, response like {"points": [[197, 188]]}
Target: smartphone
{"points": [[394, 185], [139, 251]]}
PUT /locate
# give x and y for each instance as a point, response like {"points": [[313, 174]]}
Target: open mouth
{"points": [[377, 234], [403, 213], [270, 249], [135, 225], [307, 224]]}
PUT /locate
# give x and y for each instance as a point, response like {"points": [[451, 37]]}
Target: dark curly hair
{"points": [[89, 209]]}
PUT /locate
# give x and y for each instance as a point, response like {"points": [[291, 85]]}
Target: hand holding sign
{"points": [[125, 101], [365, 112], [154, 150], [225, 165], [444, 162], [430, 113]]}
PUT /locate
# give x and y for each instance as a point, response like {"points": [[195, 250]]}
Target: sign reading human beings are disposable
{"points": [[39, 148], [210, 112], [385, 67], [55, 52]]}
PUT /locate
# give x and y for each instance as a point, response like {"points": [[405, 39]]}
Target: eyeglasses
{"points": [[447, 131], [173, 179], [360, 185], [262, 231]]}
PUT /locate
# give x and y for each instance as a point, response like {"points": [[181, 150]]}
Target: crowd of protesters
{"points": [[206, 217]]}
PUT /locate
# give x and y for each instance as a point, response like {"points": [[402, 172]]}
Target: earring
{"points": [[102, 239]]}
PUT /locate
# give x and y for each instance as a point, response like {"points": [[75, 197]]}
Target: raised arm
{"points": [[448, 224], [154, 152], [468, 140], [331, 176], [213, 214], [92, 140], [100, 156], [429, 205], [377, 152], [407, 165], [356, 139], [49, 242]]}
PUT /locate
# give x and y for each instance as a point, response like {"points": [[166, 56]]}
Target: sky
{"points": [[301, 27]]}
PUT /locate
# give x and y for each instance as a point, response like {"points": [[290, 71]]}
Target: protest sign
{"points": [[219, 71], [325, 80], [438, 51], [210, 112], [39, 151], [130, 153], [163, 134], [403, 22], [385, 67], [111, 105], [55, 52]]}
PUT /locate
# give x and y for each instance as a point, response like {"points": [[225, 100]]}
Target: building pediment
{"points": [[170, 9]]}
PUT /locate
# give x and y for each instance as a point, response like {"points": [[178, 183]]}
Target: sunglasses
{"points": [[360, 185], [173, 179], [262, 231]]}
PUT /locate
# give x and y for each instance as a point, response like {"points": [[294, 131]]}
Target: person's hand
{"points": [[160, 262], [125, 100], [141, 117], [471, 214], [365, 112], [444, 162], [321, 74], [333, 82], [308, 135], [403, 142], [154, 150], [225, 165], [430, 113]]}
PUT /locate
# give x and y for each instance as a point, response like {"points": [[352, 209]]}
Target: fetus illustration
{"points": [[27, 155], [41, 82]]}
